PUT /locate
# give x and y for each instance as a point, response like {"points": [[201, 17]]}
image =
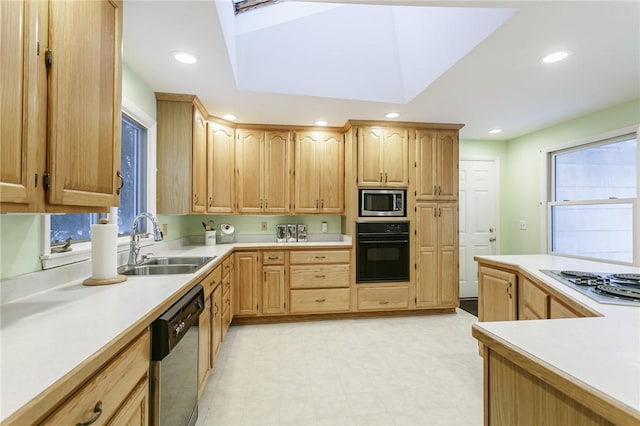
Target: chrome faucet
{"points": [[134, 244]]}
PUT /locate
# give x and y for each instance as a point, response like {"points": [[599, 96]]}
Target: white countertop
{"points": [[44, 336], [601, 352]]}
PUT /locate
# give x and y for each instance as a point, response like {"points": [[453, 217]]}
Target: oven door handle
{"points": [[390, 241]]}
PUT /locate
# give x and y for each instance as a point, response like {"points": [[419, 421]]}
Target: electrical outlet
{"points": [[523, 225], [324, 227], [165, 231], [263, 226]]}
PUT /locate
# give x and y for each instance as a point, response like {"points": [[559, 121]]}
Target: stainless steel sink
{"points": [[166, 266]]}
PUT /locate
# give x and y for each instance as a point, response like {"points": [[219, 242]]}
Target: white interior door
{"points": [[479, 218]]}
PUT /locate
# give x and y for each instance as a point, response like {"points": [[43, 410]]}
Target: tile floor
{"points": [[421, 370]]}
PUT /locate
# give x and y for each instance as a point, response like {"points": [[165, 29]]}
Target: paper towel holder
{"points": [[94, 281]]}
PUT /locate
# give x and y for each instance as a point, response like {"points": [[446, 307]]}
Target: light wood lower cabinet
{"points": [[515, 397], [216, 323], [119, 391], [497, 294], [246, 283], [204, 345], [558, 309], [382, 298], [273, 290], [533, 302], [320, 301]]}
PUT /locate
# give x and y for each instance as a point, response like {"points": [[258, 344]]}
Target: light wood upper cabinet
{"points": [[437, 255], [220, 169], [497, 294], [65, 107], [437, 165], [182, 153], [199, 163], [319, 172], [383, 157], [263, 169]]}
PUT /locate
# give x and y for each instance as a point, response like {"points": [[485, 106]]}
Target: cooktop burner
{"points": [[623, 292], [603, 287]]}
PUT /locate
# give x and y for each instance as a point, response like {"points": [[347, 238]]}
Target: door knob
{"points": [[491, 240]]}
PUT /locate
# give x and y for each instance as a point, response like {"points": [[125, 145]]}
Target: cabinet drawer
{"points": [[316, 301], [319, 256], [273, 258], [111, 386], [226, 266], [320, 276], [383, 298]]}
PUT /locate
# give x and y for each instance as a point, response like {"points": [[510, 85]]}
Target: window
{"points": [[133, 167], [593, 203]]}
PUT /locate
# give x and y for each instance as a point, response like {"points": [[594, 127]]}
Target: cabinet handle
{"points": [[320, 257], [210, 201], [97, 413], [380, 177], [320, 276], [439, 190], [439, 212], [317, 204], [266, 203], [273, 257], [321, 300], [386, 302], [260, 202], [195, 198], [265, 275], [119, 175], [386, 178], [321, 204], [435, 212], [435, 190]]}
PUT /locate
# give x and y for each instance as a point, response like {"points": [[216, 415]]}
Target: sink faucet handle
{"points": [[147, 256]]}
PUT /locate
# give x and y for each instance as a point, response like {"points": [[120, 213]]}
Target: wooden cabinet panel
{"points": [[319, 301], [204, 345], [273, 290], [319, 256], [533, 302], [437, 282], [135, 410], [273, 257], [497, 294], [319, 172], [220, 169], [246, 283], [84, 103], [437, 164], [277, 172], [560, 310], [319, 276], [250, 171], [383, 298], [23, 100], [199, 164], [112, 385], [383, 157], [216, 324]]}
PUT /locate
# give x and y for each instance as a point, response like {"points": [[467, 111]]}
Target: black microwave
{"points": [[383, 202]]}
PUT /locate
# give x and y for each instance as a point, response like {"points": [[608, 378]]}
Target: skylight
{"points": [[241, 6], [367, 52]]}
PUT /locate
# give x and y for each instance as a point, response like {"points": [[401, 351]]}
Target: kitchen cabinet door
{"points": [[273, 290], [448, 271], [220, 169], [216, 323], [246, 284], [533, 302], [84, 103], [395, 158], [23, 100], [437, 165], [249, 161], [277, 172], [497, 294], [370, 169], [199, 164], [331, 191], [307, 176]]}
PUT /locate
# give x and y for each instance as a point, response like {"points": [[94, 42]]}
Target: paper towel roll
{"points": [[104, 251]]}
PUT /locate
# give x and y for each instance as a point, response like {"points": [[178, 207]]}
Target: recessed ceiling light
{"points": [[229, 117], [321, 123], [184, 57], [495, 131], [555, 57], [392, 115]]}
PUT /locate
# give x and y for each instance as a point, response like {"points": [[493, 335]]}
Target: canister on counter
{"points": [[302, 232], [292, 233], [281, 233]]}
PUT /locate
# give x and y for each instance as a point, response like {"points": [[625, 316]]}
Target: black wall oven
{"points": [[382, 251]]}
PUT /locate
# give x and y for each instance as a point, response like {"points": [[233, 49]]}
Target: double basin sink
{"points": [[166, 266]]}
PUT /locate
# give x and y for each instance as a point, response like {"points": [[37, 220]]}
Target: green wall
{"points": [[524, 171]]}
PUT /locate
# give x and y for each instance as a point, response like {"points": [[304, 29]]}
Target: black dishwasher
{"points": [[174, 362]]}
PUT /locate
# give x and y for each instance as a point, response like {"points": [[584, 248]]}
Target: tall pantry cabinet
{"points": [[60, 108], [436, 210]]}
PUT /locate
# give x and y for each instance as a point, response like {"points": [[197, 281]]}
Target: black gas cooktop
{"points": [[603, 287]]}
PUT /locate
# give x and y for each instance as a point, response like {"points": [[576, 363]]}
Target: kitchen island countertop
{"points": [[599, 354]]}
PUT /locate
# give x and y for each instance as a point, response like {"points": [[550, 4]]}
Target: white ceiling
{"points": [[470, 62]]}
